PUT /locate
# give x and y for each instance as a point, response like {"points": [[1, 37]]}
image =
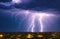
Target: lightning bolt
{"points": [[39, 16], [32, 15], [32, 25]]}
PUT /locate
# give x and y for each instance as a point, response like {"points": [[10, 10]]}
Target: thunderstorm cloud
{"points": [[24, 15]]}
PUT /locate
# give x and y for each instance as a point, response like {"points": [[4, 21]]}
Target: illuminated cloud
{"points": [[40, 16], [16, 1], [29, 17], [6, 4]]}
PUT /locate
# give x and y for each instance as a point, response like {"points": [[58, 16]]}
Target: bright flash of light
{"points": [[31, 17], [40, 17], [16, 1], [32, 25]]}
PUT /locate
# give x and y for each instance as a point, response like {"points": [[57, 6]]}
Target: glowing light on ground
{"points": [[1, 35], [29, 36]]}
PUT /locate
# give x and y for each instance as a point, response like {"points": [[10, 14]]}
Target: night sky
{"points": [[9, 22]]}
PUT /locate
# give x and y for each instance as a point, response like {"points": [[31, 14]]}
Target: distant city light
{"points": [[29, 36], [40, 36], [1, 35]]}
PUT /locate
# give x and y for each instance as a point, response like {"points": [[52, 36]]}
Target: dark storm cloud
{"points": [[38, 5], [41, 5], [5, 0]]}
